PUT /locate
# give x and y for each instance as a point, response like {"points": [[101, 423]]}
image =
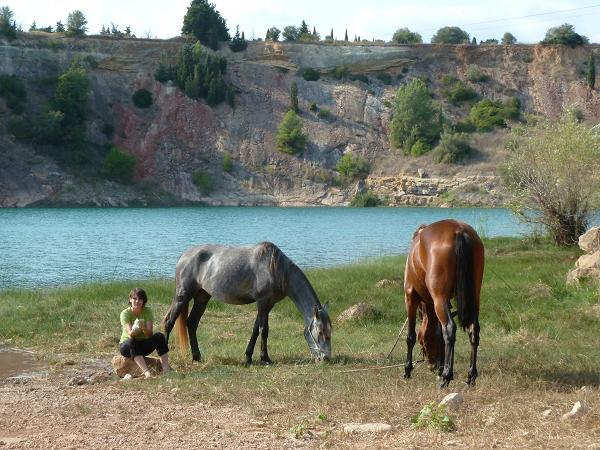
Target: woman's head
{"points": [[140, 294]]}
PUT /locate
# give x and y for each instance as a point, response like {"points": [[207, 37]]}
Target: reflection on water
{"points": [[61, 246], [14, 363]]}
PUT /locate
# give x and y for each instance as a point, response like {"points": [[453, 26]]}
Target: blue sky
{"points": [[378, 19]]}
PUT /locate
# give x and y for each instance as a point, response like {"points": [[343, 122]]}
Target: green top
{"points": [[127, 317]]}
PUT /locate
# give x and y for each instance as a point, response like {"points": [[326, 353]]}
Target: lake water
{"points": [[52, 246]]}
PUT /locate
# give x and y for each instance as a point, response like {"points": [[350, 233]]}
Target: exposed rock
{"points": [[124, 366], [358, 312], [366, 428], [387, 282], [546, 412], [586, 266], [579, 409], [589, 242], [452, 401]]}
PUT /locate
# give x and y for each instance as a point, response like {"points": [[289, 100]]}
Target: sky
{"points": [[527, 20]]}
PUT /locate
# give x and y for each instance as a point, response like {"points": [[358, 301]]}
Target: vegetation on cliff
{"points": [[290, 137], [203, 21]]}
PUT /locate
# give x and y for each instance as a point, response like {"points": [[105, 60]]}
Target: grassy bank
{"points": [[539, 346]]}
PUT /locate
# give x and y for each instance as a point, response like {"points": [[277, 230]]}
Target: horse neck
{"points": [[302, 293]]}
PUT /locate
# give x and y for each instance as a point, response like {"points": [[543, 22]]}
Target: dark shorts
{"points": [[133, 347]]}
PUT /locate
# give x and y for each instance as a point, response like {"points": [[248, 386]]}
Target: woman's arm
{"points": [[131, 332], [146, 328]]}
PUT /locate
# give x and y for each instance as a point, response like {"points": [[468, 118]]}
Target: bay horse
{"points": [[239, 276], [445, 260]]}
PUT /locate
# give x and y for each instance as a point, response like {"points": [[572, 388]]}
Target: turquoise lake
{"points": [[52, 247]]}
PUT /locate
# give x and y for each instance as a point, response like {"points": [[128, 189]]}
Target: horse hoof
{"points": [[248, 363], [407, 375], [266, 362]]}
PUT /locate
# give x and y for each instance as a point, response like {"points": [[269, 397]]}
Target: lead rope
{"points": [[397, 339]]}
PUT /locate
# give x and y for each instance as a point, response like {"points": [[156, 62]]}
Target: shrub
{"points": [[142, 98], [512, 108], [118, 165], [474, 75], [48, 127], [452, 148], [385, 78], [203, 181], [340, 72], [324, 114], [227, 163], [353, 167], [20, 128], [311, 74], [419, 148], [290, 138], [365, 199], [433, 417], [405, 36], [486, 115], [359, 77], [457, 92], [13, 91], [450, 35], [313, 107], [565, 35]]}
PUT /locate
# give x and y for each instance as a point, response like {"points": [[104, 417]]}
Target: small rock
{"points": [[366, 428], [579, 409], [386, 282], [546, 412], [359, 311], [79, 381], [452, 401], [127, 377]]}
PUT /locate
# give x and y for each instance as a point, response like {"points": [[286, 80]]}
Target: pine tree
{"points": [[474, 41], [314, 31], [346, 35], [294, 97], [591, 73], [332, 34]]}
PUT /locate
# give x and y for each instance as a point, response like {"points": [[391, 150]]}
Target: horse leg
{"points": [[178, 304], [264, 335], [411, 300], [474, 340], [200, 301], [252, 342], [449, 334]]}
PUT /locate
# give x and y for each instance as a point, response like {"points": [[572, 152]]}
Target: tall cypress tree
{"points": [[591, 72], [294, 97], [346, 36]]}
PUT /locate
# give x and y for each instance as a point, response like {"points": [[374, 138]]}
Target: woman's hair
{"points": [[139, 293]]}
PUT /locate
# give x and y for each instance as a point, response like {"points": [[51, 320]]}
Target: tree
{"points": [[119, 165], [508, 39], [474, 41], [591, 72], [416, 118], [294, 97], [450, 35], [553, 174], [8, 27], [238, 43], [405, 36], [291, 33], [203, 21], [565, 35], [290, 138], [353, 167], [76, 24], [346, 35], [60, 28], [272, 34], [303, 28]]}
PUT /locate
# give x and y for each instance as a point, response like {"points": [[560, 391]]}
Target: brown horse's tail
{"points": [[465, 288]]}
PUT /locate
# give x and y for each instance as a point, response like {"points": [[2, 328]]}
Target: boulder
{"points": [[359, 311], [586, 266], [578, 410], [124, 366], [452, 401], [589, 242], [351, 428]]}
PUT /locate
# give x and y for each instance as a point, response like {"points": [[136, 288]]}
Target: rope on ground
{"points": [[397, 339]]}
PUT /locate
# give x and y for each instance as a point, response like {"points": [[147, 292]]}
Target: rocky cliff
{"points": [[177, 136]]}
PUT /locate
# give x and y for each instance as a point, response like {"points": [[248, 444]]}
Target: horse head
{"points": [[431, 340], [318, 333]]}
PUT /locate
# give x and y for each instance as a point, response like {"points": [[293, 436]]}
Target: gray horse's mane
{"points": [[278, 263]]}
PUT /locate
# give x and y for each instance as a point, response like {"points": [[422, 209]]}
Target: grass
{"points": [[539, 347]]}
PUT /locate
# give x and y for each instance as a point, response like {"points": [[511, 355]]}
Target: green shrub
{"points": [[353, 167], [486, 115], [13, 91], [433, 417], [311, 74], [419, 148], [385, 78], [448, 80], [340, 72], [203, 181], [48, 127], [227, 163], [118, 165], [474, 75], [464, 126], [452, 148], [365, 199], [290, 138], [359, 77], [142, 98], [20, 128], [324, 114], [313, 107], [457, 92], [512, 108]]}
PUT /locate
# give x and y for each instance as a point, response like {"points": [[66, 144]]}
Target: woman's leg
{"points": [[136, 350], [163, 350]]}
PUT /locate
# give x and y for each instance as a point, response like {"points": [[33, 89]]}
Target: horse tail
{"points": [[181, 324], [465, 289]]}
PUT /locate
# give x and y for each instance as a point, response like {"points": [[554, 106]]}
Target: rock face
{"points": [[587, 265], [177, 136]]}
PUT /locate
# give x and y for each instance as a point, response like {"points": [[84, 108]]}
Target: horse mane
{"points": [[277, 263]]}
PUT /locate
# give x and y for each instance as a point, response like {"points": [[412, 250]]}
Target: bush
{"points": [[118, 165], [13, 91], [450, 35], [359, 77], [142, 98], [565, 35], [405, 36], [311, 74], [48, 127], [290, 138], [203, 181], [457, 92], [365, 199], [419, 148], [324, 114], [385, 78], [340, 72], [227, 163], [512, 108], [474, 75], [486, 115], [353, 167], [452, 148], [313, 107]]}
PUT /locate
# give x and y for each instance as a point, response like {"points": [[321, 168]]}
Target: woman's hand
{"points": [[146, 328]]}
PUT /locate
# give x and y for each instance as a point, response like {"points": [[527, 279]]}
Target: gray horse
{"points": [[239, 276]]}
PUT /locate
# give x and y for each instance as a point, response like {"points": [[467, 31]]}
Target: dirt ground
{"points": [[86, 406]]}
